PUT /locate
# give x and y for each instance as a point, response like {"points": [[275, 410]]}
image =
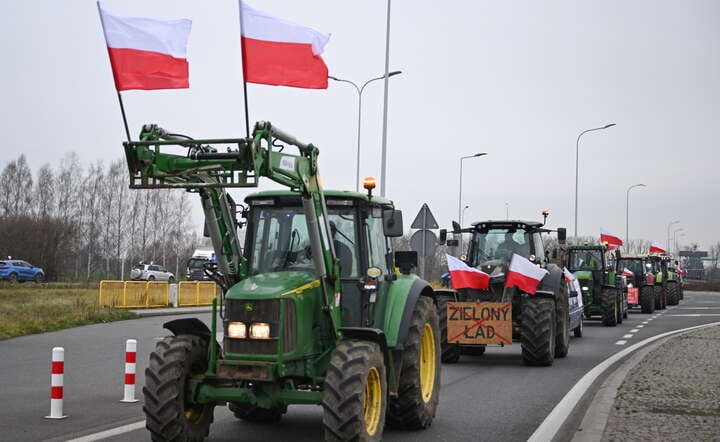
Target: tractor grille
{"points": [[251, 311]]}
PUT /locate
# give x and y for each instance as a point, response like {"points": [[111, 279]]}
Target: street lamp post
{"points": [[460, 193], [577, 151], [668, 232], [360, 91], [627, 214], [675, 240], [462, 217]]}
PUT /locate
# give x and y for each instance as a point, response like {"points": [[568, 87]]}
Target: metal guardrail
{"points": [[147, 294]]}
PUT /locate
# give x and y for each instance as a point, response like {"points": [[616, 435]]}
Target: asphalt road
{"points": [[491, 397]]}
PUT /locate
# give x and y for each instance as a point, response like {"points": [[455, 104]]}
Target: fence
{"points": [[145, 294]]}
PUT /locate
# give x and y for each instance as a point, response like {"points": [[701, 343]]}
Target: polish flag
{"points": [[146, 53], [524, 275], [464, 277], [656, 247], [279, 52], [606, 237], [627, 272], [574, 284]]}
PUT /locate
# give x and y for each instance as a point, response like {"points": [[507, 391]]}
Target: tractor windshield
{"points": [[280, 240], [634, 265], [500, 244], [580, 259]]}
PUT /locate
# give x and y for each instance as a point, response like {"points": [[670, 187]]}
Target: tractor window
{"points": [[538, 247], [280, 241], [580, 259], [344, 233], [634, 265], [377, 243], [500, 244]]}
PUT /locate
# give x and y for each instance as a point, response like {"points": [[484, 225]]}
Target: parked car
{"points": [[17, 270], [151, 272]]}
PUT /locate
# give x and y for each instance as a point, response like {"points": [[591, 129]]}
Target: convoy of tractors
{"points": [[317, 308]]}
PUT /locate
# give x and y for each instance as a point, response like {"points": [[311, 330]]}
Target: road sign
{"points": [[424, 219], [424, 242]]}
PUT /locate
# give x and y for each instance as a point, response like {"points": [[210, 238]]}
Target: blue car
{"points": [[17, 270]]}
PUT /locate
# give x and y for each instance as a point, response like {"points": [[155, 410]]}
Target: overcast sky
{"points": [[516, 79]]}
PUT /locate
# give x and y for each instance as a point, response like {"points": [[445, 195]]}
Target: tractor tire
{"points": [[419, 387], [450, 353], [537, 331], [647, 299], [682, 292], [619, 309], [252, 413], [673, 290], [608, 304], [168, 417], [660, 294], [562, 322], [625, 306], [578, 331], [355, 393], [475, 350]]}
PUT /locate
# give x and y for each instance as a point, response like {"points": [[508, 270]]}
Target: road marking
{"points": [[697, 308], [627, 336], [635, 330], [621, 342], [640, 326], [552, 423], [111, 432], [694, 315], [648, 321]]}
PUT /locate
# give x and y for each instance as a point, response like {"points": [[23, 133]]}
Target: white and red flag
{"points": [[463, 276], [656, 247], [279, 52], [524, 275], [627, 272], [147, 53], [609, 238]]}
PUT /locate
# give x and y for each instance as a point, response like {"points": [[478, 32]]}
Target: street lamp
{"points": [[627, 214], [460, 242], [668, 232], [675, 239], [460, 194], [577, 151], [360, 91]]}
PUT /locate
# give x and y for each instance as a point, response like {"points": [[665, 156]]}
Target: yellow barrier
{"points": [[134, 294], [196, 293]]}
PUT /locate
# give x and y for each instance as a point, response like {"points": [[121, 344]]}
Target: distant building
{"points": [[693, 263]]}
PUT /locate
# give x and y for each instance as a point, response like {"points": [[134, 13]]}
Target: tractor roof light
{"points": [[369, 183], [545, 214]]}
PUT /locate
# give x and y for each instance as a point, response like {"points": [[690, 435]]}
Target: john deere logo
{"points": [[249, 307]]}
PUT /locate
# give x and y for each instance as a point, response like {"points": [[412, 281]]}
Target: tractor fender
{"points": [[445, 293], [401, 299], [551, 281], [189, 326]]}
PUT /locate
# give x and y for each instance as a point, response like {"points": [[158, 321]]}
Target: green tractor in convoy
{"points": [[667, 286], [311, 310], [471, 319], [604, 291]]}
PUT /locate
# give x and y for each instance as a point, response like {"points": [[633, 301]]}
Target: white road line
{"points": [[628, 336], [110, 433], [635, 330], [549, 427], [640, 326], [621, 342], [647, 322], [697, 308], [693, 315]]}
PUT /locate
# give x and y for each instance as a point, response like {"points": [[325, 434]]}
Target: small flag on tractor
{"points": [[524, 275], [463, 276], [609, 238], [656, 247]]}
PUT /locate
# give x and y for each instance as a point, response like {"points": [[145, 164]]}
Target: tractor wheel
{"points": [[252, 413], [673, 293], [13, 278], [537, 331], [578, 331], [355, 395], [475, 350], [619, 309], [169, 416], [419, 387], [608, 304], [562, 323], [450, 353], [647, 299], [625, 306], [659, 297]]}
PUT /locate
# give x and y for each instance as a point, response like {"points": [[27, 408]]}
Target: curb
{"points": [[144, 313]]}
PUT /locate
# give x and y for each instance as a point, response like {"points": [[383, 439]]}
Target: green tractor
{"points": [[471, 319], [667, 285], [311, 310], [603, 290], [640, 281]]}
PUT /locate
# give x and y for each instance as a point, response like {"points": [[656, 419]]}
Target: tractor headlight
{"points": [[630, 285], [237, 330], [585, 289], [260, 330]]}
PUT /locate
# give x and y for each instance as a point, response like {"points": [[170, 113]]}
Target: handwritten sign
{"points": [[633, 294], [479, 323]]}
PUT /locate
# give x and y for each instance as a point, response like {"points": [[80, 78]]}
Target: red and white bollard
{"points": [[56, 383], [130, 363]]}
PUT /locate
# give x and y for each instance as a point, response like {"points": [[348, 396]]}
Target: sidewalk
{"points": [[669, 392]]}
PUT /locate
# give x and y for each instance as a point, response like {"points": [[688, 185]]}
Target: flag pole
{"points": [[122, 107], [242, 60]]}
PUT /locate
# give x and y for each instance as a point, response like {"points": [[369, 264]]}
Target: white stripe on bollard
{"points": [[57, 369], [130, 363]]}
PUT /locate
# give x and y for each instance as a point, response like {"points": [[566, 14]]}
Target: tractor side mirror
{"points": [[443, 236], [562, 235], [456, 226], [392, 223], [406, 261], [452, 243]]}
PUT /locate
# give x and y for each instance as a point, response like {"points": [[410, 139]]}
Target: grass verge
{"points": [[31, 308]]}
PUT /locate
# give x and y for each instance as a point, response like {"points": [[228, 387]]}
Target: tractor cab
{"points": [[494, 242]]}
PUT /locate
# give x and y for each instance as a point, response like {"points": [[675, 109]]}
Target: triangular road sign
{"points": [[424, 219]]}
